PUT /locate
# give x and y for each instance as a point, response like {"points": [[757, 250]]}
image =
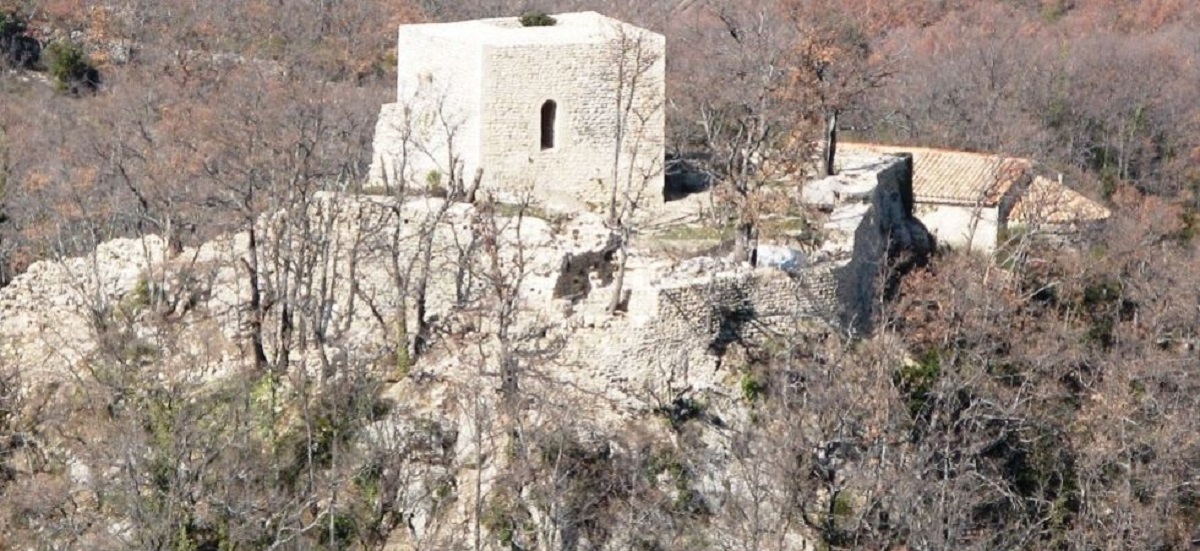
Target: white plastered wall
{"points": [[962, 226], [437, 110]]}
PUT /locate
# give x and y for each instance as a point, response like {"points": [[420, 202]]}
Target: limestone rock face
{"points": [[46, 313], [356, 265]]}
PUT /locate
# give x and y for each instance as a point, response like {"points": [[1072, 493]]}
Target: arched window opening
{"points": [[549, 112]]}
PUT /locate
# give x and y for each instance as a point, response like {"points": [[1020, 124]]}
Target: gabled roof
{"points": [[1050, 202], [956, 177]]}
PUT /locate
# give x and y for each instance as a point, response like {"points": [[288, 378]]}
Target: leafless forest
{"points": [[1051, 399]]}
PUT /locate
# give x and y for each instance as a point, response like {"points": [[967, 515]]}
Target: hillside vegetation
{"points": [[1048, 398]]}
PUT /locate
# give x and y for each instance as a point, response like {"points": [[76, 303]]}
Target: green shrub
{"points": [[1103, 304], [1054, 10], [139, 298], [434, 185], [338, 534], [403, 359], [916, 382], [140, 353], [752, 387], [505, 518], [11, 25], [1190, 225], [842, 505], [70, 68], [538, 19]]}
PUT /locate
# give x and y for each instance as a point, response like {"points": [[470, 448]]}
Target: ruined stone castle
{"points": [[681, 316], [562, 111]]}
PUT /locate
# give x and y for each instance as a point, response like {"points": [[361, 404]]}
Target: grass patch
{"points": [[537, 19], [786, 226], [795, 227], [792, 229], [374, 190], [695, 233], [512, 210]]}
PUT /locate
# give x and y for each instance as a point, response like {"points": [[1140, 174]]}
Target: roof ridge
{"points": [[924, 149], [957, 177]]}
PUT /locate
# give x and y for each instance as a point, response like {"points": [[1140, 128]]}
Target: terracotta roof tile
{"points": [[958, 177], [1049, 202]]}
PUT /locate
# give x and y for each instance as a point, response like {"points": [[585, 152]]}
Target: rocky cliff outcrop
{"points": [[472, 295]]}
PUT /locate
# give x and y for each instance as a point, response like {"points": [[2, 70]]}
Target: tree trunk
{"points": [[420, 342], [617, 301], [831, 125], [743, 247], [256, 303], [475, 185], [612, 206], [403, 360]]}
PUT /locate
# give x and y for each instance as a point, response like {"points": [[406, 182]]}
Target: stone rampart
{"points": [[354, 264]]}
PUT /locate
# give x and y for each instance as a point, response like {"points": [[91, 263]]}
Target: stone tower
{"points": [[538, 108]]}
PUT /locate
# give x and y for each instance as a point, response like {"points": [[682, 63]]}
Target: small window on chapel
{"points": [[549, 111]]}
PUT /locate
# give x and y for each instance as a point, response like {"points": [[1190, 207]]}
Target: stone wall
{"points": [[680, 333], [437, 109], [581, 79], [678, 330], [476, 90]]}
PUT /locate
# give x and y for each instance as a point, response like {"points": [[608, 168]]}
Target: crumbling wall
{"points": [[678, 331], [746, 307], [887, 231], [574, 280], [691, 326], [682, 320]]}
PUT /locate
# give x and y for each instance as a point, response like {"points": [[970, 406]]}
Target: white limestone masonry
{"points": [[470, 96]]}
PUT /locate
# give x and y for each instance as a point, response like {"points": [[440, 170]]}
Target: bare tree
{"points": [[744, 124], [833, 66], [636, 64], [5, 170]]}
